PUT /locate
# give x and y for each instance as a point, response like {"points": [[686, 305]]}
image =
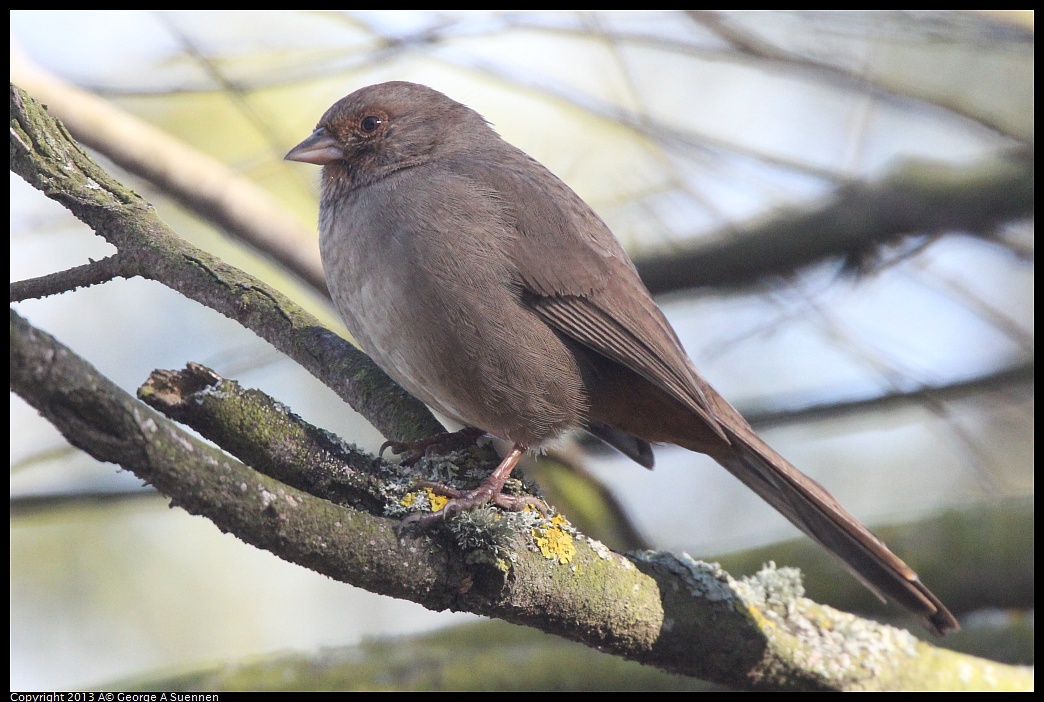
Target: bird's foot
{"points": [[488, 491], [443, 442], [463, 500]]}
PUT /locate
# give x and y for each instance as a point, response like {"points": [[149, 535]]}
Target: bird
{"points": [[488, 289]]}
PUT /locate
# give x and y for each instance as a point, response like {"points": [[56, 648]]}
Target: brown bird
{"points": [[489, 290]]}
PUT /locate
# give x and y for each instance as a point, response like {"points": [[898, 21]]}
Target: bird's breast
{"points": [[443, 316]]}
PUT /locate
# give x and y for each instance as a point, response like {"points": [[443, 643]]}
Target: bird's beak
{"points": [[320, 149]]}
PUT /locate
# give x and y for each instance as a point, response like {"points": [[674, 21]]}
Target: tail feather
{"points": [[812, 509], [638, 450]]}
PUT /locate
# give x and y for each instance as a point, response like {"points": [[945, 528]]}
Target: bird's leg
{"points": [[443, 442], [488, 491]]}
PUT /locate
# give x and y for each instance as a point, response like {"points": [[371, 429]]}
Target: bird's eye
{"points": [[370, 123]]}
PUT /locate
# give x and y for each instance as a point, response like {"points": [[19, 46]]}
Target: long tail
{"points": [[814, 510]]}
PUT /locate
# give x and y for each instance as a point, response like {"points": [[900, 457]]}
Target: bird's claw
{"points": [[443, 442], [463, 500]]}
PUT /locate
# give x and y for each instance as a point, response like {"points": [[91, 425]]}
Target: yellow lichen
{"points": [[555, 543], [437, 502]]}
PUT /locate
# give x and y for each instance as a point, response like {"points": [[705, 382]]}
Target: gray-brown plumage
{"points": [[487, 288]]}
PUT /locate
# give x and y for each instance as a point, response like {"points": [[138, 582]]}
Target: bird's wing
{"points": [[658, 357], [566, 261]]}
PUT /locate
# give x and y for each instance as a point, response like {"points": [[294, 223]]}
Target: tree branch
{"points": [[83, 276], [678, 614], [1015, 379], [201, 183], [44, 154], [918, 197]]}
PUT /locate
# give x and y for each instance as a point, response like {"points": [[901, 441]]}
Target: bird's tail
{"points": [[814, 510]]}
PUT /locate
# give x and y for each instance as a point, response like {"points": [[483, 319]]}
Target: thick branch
{"points": [[263, 433], [678, 614], [97, 416]]}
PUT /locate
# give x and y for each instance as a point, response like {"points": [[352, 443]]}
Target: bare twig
{"points": [[83, 276]]}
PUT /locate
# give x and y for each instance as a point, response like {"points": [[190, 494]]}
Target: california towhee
{"points": [[487, 288]]}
